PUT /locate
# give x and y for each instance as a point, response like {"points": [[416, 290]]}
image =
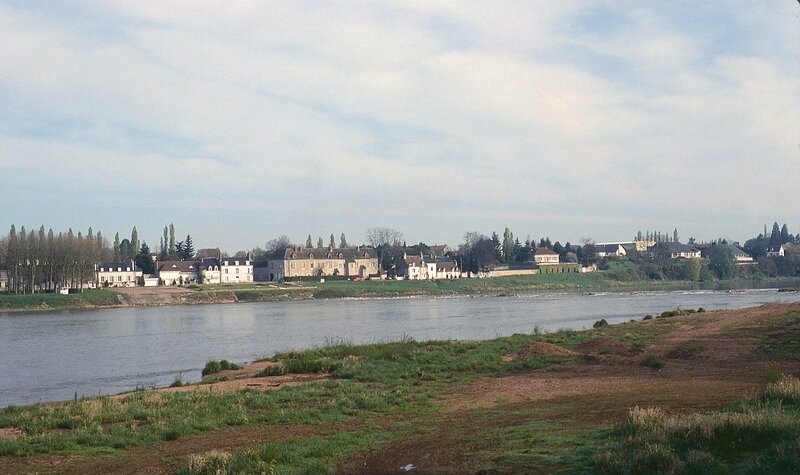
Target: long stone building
{"points": [[300, 262]]}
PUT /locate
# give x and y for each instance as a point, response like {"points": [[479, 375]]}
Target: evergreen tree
{"points": [[785, 236], [320, 243], [775, 237], [342, 242], [675, 235], [165, 249], [333, 242], [188, 249], [143, 260], [309, 242]]}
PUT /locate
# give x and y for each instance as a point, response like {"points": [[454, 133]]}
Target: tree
{"points": [[785, 236], [188, 249], [484, 254], [775, 237], [332, 243], [320, 244], [342, 242], [280, 242], [382, 238], [721, 261], [134, 241], [508, 245], [116, 248], [309, 242], [172, 248], [675, 235], [143, 260]]}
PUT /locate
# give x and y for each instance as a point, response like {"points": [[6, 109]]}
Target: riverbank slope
{"points": [[266, 292], [708, 389]]}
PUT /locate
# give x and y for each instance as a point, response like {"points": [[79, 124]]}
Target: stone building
{"points": [[297, 261], [118, 274]]}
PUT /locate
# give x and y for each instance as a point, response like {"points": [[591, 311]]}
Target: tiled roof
{"points": [[349, 253], [111, 266], [542, 251], [181, 266]]}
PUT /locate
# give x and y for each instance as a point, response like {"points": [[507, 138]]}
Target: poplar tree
{"points": [[320, 243], [309, 243], [342, 242], [333, 242]]}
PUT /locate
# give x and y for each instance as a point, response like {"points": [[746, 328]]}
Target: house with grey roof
{"points": [[118, 274], [298, 262], [178, 272]]}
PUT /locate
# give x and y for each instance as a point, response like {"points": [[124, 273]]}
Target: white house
{"points": [[779, 251], [611, 249], [210, 271], [544, 257], [178, 272], [3, 280], [420, 267], [739, 255], [118, 274], [235, 270]]}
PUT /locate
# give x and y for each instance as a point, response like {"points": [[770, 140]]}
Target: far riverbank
{"points": [[308, 290]]}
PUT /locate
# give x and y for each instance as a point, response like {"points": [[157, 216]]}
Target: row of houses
{"points": [[677, 250], [208, 270]]}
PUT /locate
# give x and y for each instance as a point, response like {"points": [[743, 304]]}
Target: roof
{"points": [[445, 263], [737, 251], [676, 247], [348, 253], [542, 251], [231, 261], [112, 266], [207, 262], [180, 266], [439, 249], [209, 252]]}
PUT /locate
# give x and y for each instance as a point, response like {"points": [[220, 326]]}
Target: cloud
{"points": [[521, 114]]}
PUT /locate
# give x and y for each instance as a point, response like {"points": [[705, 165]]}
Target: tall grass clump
{"points": [[215, 366], [759, 435]]}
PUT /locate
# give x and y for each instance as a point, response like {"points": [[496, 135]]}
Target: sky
{"points": [[241, 121]]}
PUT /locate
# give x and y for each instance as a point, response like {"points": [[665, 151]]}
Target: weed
{"points": [[686, 349], [652, 361], [215, 366], [178, 381]]}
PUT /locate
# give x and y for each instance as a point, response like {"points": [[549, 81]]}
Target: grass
{"points": [[216, 366], [86, 299], [686, 349], [758, 435]]}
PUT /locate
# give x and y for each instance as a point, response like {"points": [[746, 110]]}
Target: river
{"points": [[54, 356]]}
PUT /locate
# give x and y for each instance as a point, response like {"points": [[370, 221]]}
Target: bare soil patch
{"points": [[540, 348], [10, 433], [604, 345]]}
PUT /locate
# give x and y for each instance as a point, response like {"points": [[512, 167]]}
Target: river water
{"points": [[53, 356]]}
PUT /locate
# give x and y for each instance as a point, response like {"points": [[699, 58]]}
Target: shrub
{"points": [[177, 382], [647, 317], [686, 349], [215, 366], [272, 370], [653, 362], [600, 323]]}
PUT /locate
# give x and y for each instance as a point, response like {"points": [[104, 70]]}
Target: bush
{"points": [[215, 366], [600, 323], [647, 317], [177, 382], [653, 362]]}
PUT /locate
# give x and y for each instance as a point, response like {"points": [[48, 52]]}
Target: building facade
{"points": [[544, 257], [178, 272], [293, 262], [235, 270], [118, 274]]}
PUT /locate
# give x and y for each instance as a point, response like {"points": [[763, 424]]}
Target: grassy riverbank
{"points": [[712, 389], [314, 289]]}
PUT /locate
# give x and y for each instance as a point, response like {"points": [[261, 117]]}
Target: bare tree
{"points": [[382, 238], [280, 242]]}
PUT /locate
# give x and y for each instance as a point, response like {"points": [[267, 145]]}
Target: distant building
{"points": [[178, 272], [3, 280], [673, 250], [235, 270], [439, 250], [544, 257], [209, 252], [619, 249], [297, 261], [118, 274], [779, 251], [210, 271], [739, 255], [421, 267]]}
